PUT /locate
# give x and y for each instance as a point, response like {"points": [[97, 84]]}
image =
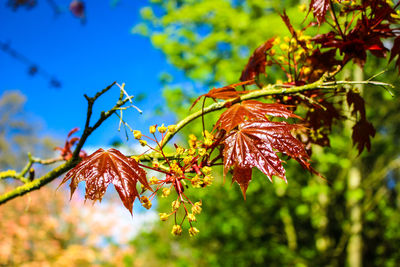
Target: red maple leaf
{"points": [[376, 22], [251, 110], [355, 99], [257, 61], [362, 132], [256, 144], [104, 167]]}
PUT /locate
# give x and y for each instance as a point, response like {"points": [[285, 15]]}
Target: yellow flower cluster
{"points": [[137, 134], [153, 180], [192, 141], [175, 204], [208, 138], [191, 217], [145, 202], [162, 128], [176, 230], [196, 208], [193, 231], [175, 168], [166, 192], [163, 216], [196, 181]]}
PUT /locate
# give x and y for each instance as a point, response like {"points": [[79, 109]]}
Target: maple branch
{"points": [[268, 90], [38, 183], [31, 160], [29, 185]]}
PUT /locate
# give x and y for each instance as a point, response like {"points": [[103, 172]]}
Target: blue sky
{"points": [[85, 58]]}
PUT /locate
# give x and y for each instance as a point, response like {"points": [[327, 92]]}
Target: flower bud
{"points": [[191, 217], [164, 216], [153, 180], [162, 128], [175, 204], [145, 202], [166, 192], [196, 208], [176, 230], [172, 128], [193, 231], [143, 142], [137, 134]]}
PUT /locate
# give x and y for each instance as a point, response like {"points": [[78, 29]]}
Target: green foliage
{"points": [[212, 40]]}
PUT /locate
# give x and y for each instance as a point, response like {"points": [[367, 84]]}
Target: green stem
{"points": [[265, 91], [37, 183]]}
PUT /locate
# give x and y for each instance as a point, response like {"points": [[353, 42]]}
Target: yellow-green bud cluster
{"points": [[176, 230], [196, 208], [166, 192], [137, 134], [145, 202], [163, 216], [175, 204], [193, 231]]}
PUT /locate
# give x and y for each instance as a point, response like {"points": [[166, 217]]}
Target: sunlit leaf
{"points": [[104, 167]]}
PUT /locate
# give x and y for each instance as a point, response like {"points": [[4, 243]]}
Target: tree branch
{"points": [[50, 176], [267, 91]]}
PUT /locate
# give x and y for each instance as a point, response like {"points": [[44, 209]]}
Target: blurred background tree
{"points": [[350, 219], [19, 132]]}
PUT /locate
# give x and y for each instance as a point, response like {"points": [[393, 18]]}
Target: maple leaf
{"points": [[257, 61], [226, 92], [354, 99], [104, 167], [362, 131], [320, 7], [256, 144], [250, 110], [366, 34]]}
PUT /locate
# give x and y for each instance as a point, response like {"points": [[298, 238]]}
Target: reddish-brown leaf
{"points": [[251, 110], [104, 167], [242, 176], [354, 99], [256, 144], [319, 8], [257, 61], [226, 92], [362, 132]]}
